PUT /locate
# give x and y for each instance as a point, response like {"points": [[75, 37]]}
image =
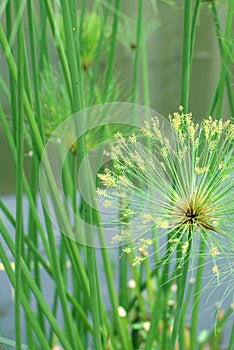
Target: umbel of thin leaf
{"points": [[174, 183]]}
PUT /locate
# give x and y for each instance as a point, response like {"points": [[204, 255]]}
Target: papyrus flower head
{"points": [[178, 181]]}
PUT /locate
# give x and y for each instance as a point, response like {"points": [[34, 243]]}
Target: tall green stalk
{"points": [[145, 72], [35, 71], [120, 326], [197, 294], [43, 60], [35, 162], [228, 83], [186, 59], [98, 55], [158, 304], [60, 47], [193, 29], [32, 234], [225, 57], [137, 52], [188, 48], [19, 177], [182, 279], [111, 57], [13, 98]]}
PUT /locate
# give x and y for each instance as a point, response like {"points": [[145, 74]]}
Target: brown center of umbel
{"points": [[191, 215], [197, 213]]}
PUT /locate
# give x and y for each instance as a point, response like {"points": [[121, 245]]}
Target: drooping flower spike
{"points": [[178, 180]]}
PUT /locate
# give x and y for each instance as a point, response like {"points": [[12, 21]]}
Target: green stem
{"points": [[60, 46], [166, 289], [145, 72], [137, 53], [34, 168], [98, 55], [181, 291], [182, 329], [157, 310], [197, 295], [40, 147], [120, 326], [44, 264], [95, 306], [11, 343], [149, 282], [32, 236], [33, 287], [27, 307], [193, 29], [26, 186], [19, 178], [54, 311], [159, 305], [186, 59], [231, 342], [123, 278], [137, 276], [225, 57], [35, 72], [123, 263], [43, 61], [111, 57], [71, 332], [13, 98], [154, 272], [73, 56], [220, 323], [228, 83]]}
